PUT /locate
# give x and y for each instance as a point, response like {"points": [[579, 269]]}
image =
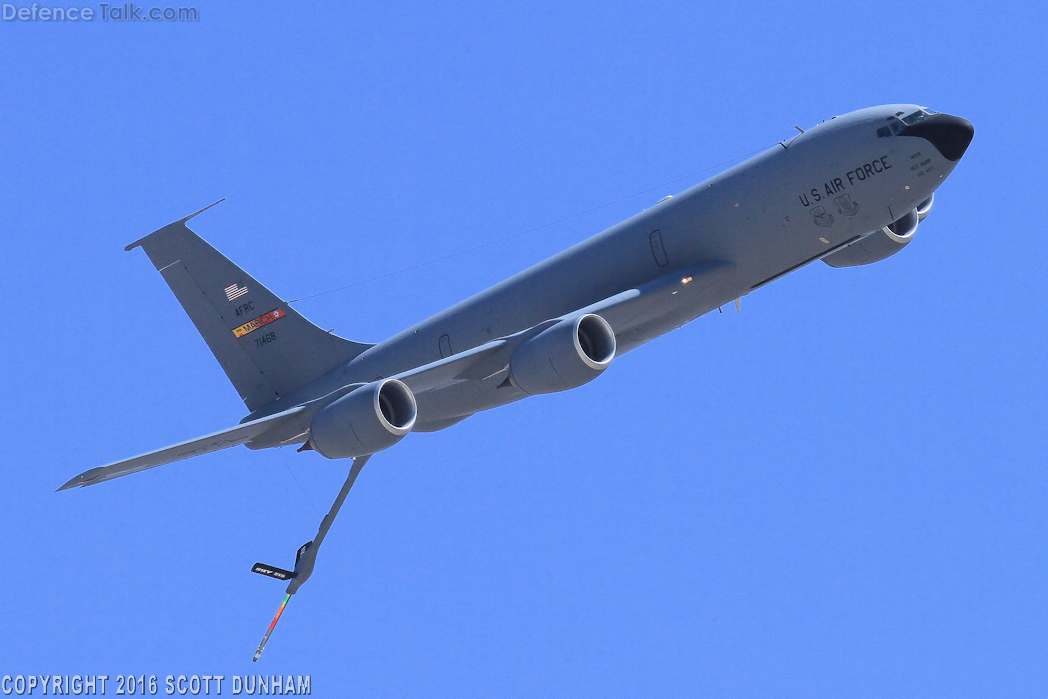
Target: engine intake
{"points": [[925, 207], [572, 352], [883, 243], [902, 230], [369, 419]]}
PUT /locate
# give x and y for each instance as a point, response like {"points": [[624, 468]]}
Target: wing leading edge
{"points": [[193, 447]]}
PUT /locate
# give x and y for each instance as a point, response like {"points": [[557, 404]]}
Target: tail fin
{"points": [[265, 347]]}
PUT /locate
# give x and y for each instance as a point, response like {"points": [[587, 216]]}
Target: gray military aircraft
{"points": [[850, 191]]}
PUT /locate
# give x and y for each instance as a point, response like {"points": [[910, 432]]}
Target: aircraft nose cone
{"points": [[949, 134]]}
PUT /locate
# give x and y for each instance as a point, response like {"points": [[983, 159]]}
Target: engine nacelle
{"points": [[369, 419], [883, 243], [572, 352], [925, 207]]}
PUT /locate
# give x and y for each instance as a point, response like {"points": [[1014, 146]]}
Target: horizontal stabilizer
{"points": [[194, 447]]}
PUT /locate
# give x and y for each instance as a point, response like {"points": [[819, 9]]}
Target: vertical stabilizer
{"points": [[265, 347]]}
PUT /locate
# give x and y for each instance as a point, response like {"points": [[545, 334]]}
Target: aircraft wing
{"points": [[683, 286], [194, 447], [627, 312], [453, 368]]}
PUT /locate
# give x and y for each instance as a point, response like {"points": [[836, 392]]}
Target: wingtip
{"points": [[79, 481]]}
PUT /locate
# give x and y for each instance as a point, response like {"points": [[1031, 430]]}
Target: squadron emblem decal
{"points": [[846, 206], [252, 325], [822, 218]]}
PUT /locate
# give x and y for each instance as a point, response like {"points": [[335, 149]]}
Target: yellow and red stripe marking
{"points": [[265, 319]]}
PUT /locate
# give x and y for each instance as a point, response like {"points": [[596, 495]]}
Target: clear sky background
{"points": [[839, 491]]}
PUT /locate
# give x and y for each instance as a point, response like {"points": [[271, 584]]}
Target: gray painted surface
{"points": [[798, 202]]}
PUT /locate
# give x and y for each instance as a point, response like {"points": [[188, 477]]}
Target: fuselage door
{"points": [[657, 249]]}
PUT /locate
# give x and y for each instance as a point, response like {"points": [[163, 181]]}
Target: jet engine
{"points": [[883, 243], [572, 352], [925, 207], [369, 419]]}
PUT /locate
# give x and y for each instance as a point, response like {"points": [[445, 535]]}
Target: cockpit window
{"points": [[898, 122], [919, 115], [894, 127], [913, 118]]}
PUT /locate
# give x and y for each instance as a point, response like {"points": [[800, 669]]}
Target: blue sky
{"points": [[840, 491]]}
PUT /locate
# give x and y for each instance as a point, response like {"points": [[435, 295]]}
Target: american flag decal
{"points": [[234, 292]]}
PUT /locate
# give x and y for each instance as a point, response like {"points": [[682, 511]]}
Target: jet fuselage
{"points": [[792, 204]]}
